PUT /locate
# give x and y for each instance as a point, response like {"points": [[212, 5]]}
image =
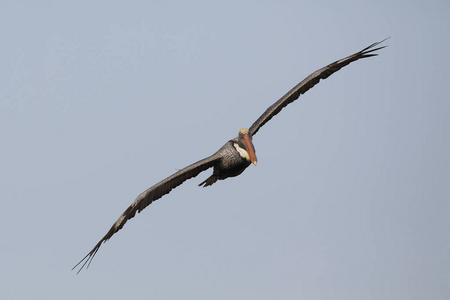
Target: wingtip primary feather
{"points": [[86, 261], [375, 44], [367, 52]]}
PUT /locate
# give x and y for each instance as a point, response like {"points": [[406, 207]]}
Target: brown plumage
{"points": [[230, 160]]}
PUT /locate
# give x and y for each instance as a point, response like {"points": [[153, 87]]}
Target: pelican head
{"points": [[245, 146]]}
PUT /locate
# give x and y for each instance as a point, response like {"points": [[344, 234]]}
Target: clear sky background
{"points": [[99, 100]]}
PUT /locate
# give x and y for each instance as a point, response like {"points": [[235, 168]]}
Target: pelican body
{"points": [[233, 158]]}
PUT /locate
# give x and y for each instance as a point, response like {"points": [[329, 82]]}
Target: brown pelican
{"points": [[233, 158]]}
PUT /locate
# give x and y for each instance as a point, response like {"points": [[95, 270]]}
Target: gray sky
{"points": [[101, 100]]}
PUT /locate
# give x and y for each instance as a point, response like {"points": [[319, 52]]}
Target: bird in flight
{"points": [[233, 158]]}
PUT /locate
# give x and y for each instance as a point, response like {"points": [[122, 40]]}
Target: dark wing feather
{"points": [[147, 197], [309, 82]]}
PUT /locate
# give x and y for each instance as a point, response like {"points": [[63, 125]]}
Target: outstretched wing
{"points": [[147, 197], [309, 82]]}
